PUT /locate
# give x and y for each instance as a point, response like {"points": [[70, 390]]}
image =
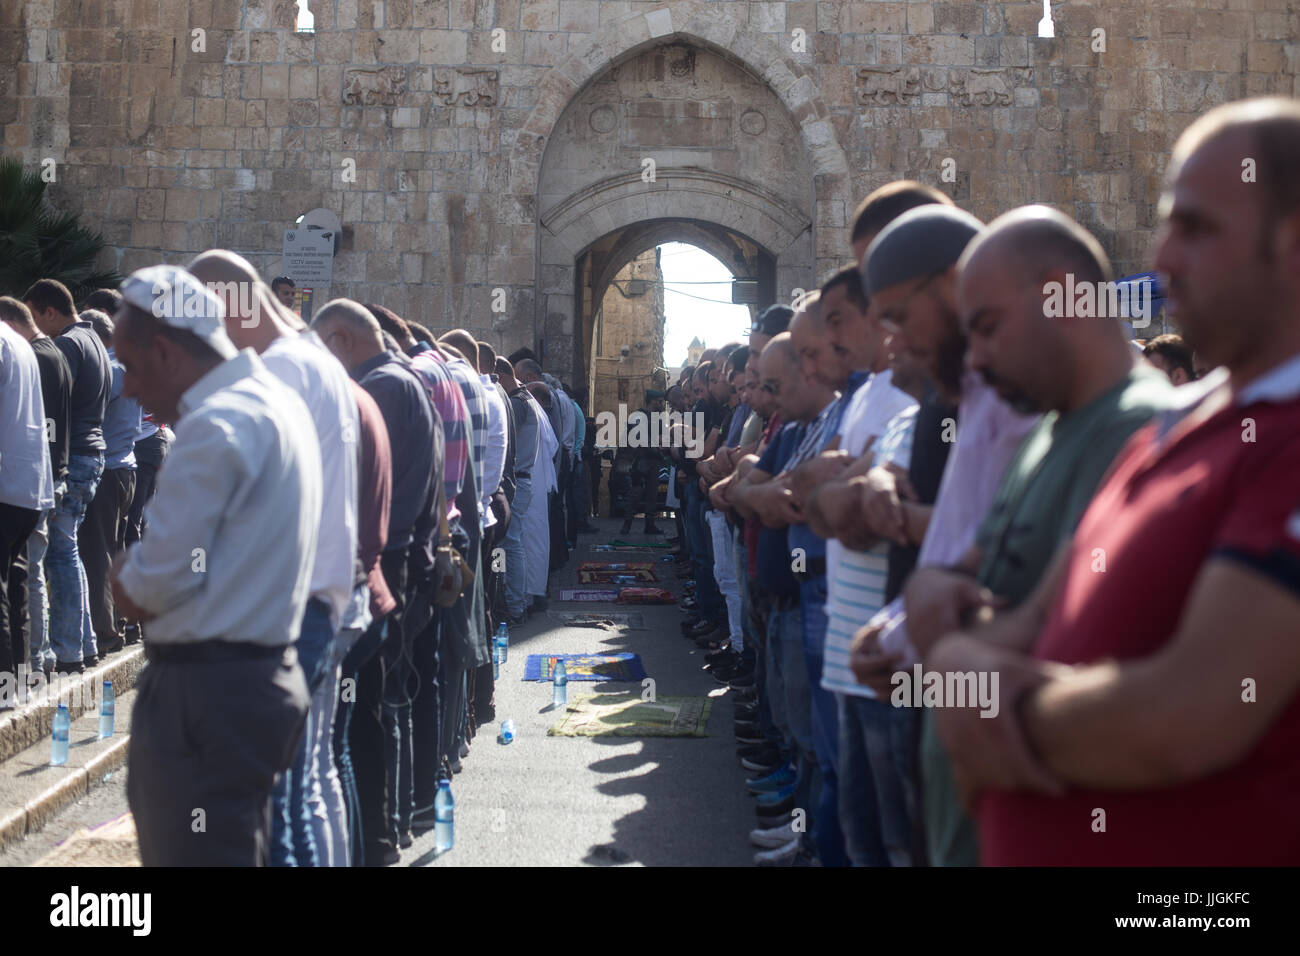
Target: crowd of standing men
{"points": [[346, 514], [990, 586]]}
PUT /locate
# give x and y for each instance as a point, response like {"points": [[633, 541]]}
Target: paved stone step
{"points": [[32, 791]]}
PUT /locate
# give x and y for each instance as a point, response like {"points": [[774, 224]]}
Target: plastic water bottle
{"points": [[496, 659], [503, 642], [560, 684], [507, 731], [444, 813], [107, 708], [59, 745]]}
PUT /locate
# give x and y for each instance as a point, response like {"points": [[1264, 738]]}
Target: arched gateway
{"points": [[675, 126]]}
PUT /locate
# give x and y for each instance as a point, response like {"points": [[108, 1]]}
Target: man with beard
{"points": [[1156, 718], [910, 276], [1094, 393]]}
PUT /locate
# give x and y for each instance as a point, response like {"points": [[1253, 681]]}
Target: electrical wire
{"points": [[703, 299]]}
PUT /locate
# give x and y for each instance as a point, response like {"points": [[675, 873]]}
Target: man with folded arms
{"points": [[1153, 673], [299, 359], [222, 578]]}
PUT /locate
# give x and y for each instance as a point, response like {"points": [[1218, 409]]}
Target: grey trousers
{"points": [[208, 737]]}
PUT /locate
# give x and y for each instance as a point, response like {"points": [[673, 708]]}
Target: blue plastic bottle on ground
{"points": [[59, 743], [107, 709], [560, 684], [444, 812], [503, 642], [507, 731]]}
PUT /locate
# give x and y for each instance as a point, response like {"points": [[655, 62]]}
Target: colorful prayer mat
{"points": [[588, 667], [627, 715], [577, 594], [601, 621], [625, 578]]}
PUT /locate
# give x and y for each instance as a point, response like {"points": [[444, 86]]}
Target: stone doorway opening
{"points": [[675, 142]]}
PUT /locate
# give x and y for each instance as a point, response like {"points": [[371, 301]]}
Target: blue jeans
{"points": [[298, 797], [773, 682], [364, 650], [336, 769], [38, 603], [741, 557], [826, 833], [72, 636], [786, 627], [893, 736], [859, 808], [707, 595]]}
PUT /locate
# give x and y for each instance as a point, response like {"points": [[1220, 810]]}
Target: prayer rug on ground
{"points": [[627, 715], [582, 594], [620, 667]]}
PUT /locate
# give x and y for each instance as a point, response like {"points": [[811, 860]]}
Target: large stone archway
{"points": [[687, 120]]}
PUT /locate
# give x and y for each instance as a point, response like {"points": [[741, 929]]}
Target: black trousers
{"points": [[149, 455], [101, 537], [207, 739], [426, 717], [16, 526]]}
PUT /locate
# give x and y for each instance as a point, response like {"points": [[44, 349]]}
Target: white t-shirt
{"points": [[303, 363], [855, 588], [865, 420]]}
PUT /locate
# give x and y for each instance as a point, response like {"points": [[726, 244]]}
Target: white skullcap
{"points": [[176, 298]]}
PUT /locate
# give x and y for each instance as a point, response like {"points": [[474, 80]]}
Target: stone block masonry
{"points": [[468, 146]]}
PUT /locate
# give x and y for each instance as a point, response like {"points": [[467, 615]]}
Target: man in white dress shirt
{"points": [[302, 830], [222, 578], [26, 491]]}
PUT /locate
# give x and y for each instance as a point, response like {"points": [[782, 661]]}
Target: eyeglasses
{"points": [[772, 388], [895, 318]]}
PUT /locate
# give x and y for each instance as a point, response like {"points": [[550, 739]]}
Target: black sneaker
{"points": [[764, 753], [405, 840], [781, 809], [720, 661], [704, 628], [772, 823], [62, 668], [111, 646], [90, 661], [382, 853], [132, 635]]}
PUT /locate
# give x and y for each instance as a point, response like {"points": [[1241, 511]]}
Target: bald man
{"points": [[1094, 393], [909, 273], [303, 832], [1155, 720], [380, 729], [302, 829], [803, 400]]}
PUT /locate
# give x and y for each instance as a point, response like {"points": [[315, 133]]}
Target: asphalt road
{"points": [[561, 801]]}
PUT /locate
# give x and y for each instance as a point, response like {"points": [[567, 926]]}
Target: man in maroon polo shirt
{"points": [[1155, 718]]}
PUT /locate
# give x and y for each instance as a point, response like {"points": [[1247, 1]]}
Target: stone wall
{"points": [[442, 134]]}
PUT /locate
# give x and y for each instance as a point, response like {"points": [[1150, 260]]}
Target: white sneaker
{"points": [[777, 836], [781, 856]]}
